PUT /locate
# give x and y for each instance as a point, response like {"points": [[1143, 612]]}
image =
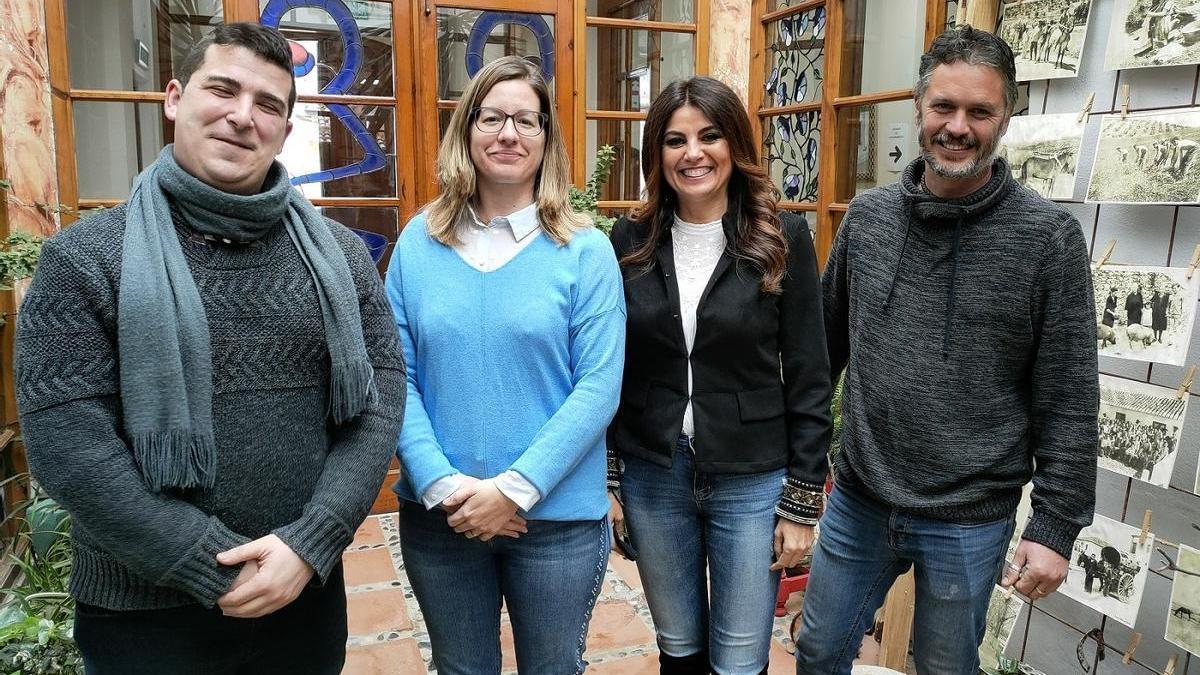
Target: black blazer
{"points": [[760, 369]]}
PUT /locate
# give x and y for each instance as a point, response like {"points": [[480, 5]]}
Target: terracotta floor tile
{"points": [[646, 664], [368, 534], [627, 570], [375, 612], [507, 650], [368, 567], [781, 663], [385, 658], [616, 624]]}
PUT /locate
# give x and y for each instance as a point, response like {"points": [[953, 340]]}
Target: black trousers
{"points": [[307, 636]]}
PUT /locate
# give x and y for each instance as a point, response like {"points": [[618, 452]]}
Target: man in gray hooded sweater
{"points": [[960, 305]]}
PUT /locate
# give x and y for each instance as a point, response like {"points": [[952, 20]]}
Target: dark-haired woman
{"points": [[718, 447]]}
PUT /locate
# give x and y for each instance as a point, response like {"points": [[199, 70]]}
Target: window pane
{"points": [[625, 180], [790, 144], [133, 44], [321, 141], [795, 59], [885, 39], [316, 30], [114, 142], [500, 33], [879, 141], [627, 68], [374, 220], [678, 11]]}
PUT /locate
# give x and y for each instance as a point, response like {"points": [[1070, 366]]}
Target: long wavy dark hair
{"points": [[752, 198]]}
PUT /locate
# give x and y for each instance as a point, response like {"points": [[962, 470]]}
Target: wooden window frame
{"points": [[64, 96], [700, 29], [834, 167]]}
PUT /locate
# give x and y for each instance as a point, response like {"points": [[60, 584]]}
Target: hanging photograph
{"points": [[1153, 33], [1183, 618], [1107, 569], [1043, 152], [1147, 158], [1140, 426], [1002, 612], [1046, 36], [1144, 313]]}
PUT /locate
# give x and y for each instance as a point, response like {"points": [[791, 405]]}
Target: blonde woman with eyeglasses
{"points": [[511, 311]]}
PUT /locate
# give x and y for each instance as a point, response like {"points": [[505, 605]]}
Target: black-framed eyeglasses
{"points": [[526, 122]]}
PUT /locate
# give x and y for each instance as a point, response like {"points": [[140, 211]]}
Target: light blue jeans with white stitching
{"points": [[863, 546]]}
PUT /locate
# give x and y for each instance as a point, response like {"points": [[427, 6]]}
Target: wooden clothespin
{"points": [[1087, 108], [1124, 101], [1145, 528], [1194, 262], [1108, 249], [1170, 669], [1186, 383], [1133, 645]]}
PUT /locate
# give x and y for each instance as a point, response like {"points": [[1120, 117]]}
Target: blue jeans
{"points": [[549, 579], [683, 521], [863, 546]]}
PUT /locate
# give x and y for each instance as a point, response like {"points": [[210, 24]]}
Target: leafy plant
{"points": [[835, 413], [585, 200], [18, 257], [36, 620]]}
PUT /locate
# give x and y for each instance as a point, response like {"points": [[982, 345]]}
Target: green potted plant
{"points": [[585, 200], [19, 253]]}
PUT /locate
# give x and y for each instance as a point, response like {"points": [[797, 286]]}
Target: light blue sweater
{"points": [[518, 368]]}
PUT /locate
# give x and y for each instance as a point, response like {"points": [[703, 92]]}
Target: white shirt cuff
{"points": [[517, 488], [441, 489]]}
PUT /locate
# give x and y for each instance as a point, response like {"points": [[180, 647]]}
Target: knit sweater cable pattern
{"points": [[282, 468]]}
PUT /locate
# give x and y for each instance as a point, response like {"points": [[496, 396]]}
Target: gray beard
{"points": [[985, 155]]}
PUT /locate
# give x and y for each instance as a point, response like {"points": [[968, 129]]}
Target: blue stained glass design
{"points": [[796, 56], [790, 147]]}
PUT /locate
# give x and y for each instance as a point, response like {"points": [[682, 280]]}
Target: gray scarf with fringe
{"points": [[162, 331]]}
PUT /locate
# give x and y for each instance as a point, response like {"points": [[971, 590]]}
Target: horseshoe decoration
{"points": [[374, 158]]}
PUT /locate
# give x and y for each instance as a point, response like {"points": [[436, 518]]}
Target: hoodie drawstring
{"points": [[958, 225], [899, 264]]}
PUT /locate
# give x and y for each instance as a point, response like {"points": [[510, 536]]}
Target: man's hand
{"points": [[279, 577], [792, 542], [482, 510], [1035, 571]]}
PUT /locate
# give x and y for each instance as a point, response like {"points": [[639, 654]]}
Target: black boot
{"points": [[692, 664]]}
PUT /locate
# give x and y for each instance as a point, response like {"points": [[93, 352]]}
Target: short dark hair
{"points": [[975, 47], [263, 41]]}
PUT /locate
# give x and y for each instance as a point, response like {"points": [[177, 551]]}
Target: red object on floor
{"points": [[787, 586]]}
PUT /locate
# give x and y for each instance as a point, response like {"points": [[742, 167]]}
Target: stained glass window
{"points": [[796, 59], [790, 148]]}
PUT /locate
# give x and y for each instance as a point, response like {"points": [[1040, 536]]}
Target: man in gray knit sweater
{"points": [[960, 305], [211, 383]]}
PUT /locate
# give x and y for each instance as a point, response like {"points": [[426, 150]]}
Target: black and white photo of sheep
{"points": [[1107, 569], [1139, 426], [1147, 33], [1144, 313], [1183, 617], [1147, 158], [1043, 152], [1046, 36]]}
